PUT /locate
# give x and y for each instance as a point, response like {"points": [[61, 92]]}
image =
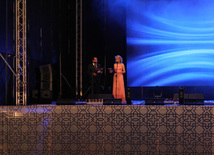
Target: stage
{"points": [[107, 129]]}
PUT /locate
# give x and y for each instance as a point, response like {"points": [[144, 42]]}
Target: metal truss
{"points": [[21, 53], [79, 92]]}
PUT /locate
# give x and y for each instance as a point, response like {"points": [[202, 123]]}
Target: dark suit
{"points": [[94, 80]]}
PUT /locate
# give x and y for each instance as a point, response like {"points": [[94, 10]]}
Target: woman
{"points": [[118, 82]]}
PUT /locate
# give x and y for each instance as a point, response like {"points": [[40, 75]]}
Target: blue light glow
{"points": [[170, 43]]}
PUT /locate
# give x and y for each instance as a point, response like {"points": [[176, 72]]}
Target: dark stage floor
{"points": [[133, 102]]}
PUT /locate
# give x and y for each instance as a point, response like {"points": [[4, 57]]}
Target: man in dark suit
{"points": [[94, 72]]}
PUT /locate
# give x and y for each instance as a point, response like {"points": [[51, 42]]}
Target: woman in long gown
{"points": [[118, 81]]}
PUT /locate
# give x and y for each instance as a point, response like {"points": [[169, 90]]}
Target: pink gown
{"points": [[118, 83]]}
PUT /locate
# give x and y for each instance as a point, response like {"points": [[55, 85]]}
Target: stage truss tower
{"points": [[21, 53]]}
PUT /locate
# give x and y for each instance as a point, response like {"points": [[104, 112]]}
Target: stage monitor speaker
{"points": [[129, 97], [191, 99], [34, 97], [100, 96], [154, 101], [45, 97], [112, 101], [194, 99], [181, 96]]}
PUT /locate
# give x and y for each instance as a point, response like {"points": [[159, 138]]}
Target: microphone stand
{"points": [[92, 84], [92, 81], [92, 87]]}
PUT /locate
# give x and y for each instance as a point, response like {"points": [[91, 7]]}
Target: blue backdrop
{"points": [[170, 43]]}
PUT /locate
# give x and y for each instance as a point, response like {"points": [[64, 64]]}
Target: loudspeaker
{"points": [[129, 96], [46, 77], [194, 99], [45, 97], [112, 101], [181, 96], [34, 97], [190, 99], [154, 101]]}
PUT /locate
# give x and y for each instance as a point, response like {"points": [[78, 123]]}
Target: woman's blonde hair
{"points": [[121, 59]]}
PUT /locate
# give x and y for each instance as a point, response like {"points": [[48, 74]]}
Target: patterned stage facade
{"points": [[106, 129]]}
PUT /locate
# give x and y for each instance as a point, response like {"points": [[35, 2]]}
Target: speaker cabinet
{"points": [[45, 97], [181, 96], [129, 97], [46, 77], [191, 99], [34, 97], [194, 99]]}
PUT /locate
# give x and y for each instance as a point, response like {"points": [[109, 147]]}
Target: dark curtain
{"points": [[51, 32], [6, 49]]}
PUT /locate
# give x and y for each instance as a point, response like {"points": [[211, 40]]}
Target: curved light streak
{"points": [[170, 43], [174, 66]]}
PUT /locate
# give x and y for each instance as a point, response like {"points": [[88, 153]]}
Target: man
{"points": [[94, 72]]}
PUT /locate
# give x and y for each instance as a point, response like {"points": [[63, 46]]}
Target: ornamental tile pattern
{"points": [[103, 129]]}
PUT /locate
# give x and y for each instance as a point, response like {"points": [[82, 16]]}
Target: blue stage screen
{"points": [[170, 43]]}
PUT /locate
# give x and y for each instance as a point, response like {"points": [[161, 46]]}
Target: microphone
{"points": [[95, 66]]}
